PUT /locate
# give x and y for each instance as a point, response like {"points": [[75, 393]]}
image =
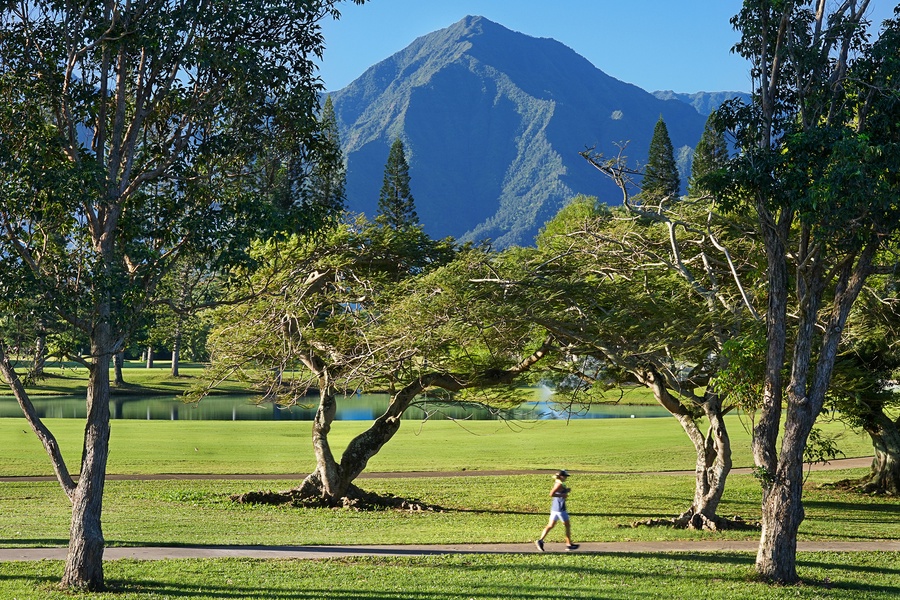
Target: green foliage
{"points": [[396, 206], [343, 297], [710, 155], [742, 376], [661, 180], [820, 448], [185, 155], [327, 181]]}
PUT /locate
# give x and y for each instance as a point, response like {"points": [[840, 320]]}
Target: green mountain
{"points": [[492, 122]]}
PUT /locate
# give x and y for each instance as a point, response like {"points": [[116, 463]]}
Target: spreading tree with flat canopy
{"points": [[132, 133], [367, 307]]}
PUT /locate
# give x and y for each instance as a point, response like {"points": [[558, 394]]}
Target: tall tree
{"points": [[710, 155], [818, 165], [132, 132], [327, 183], [396, 207], [661, 181]]}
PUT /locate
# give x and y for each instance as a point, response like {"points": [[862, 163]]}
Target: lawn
{"points": [[612, 488], [461, 577], [276, 447]]}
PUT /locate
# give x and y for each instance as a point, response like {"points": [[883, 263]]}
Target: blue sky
{"points": [[681, 45]]}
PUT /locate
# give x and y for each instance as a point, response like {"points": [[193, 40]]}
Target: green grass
{"points": [[495, 509], [483, 577], [71, 379], [478, 509], [273, 447]]}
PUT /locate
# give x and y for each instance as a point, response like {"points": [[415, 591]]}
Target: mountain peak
{"points": [[493, 121]]}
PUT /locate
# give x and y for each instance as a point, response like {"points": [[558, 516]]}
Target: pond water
{"points": [[352, 408]]}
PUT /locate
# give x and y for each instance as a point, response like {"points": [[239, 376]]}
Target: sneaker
{"points": [[571, 547], [539, 544]]}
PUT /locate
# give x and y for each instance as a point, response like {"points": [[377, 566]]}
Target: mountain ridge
{"points": [[493, 121]]}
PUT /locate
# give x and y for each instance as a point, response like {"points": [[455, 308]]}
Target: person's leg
{"points": [[568, 533], [547, 529]]}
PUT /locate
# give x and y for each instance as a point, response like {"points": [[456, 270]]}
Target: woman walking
{"points": [[558, 512]]}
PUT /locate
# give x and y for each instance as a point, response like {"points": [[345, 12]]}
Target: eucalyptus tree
{"points": [[650, 296], [367, 307], [817, 165], [131, 133]]}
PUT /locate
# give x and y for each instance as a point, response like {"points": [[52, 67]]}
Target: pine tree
{"points": [[396, 207], [661, 174], [711, 154], [327, 184]]}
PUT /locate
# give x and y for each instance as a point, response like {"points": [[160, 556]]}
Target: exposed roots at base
{"points": [[355, 499], [701, 523], [865, 485]]}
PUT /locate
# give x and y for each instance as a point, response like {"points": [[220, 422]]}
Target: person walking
{"points": [[558, 511]]}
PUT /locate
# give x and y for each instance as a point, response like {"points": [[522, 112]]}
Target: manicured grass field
{"points": [[610, 492], [483, 577], [615, 445], [502, 509]]}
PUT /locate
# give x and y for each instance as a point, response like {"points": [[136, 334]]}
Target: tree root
{"points": [[355, 499], [864, 485], [702, 523]]}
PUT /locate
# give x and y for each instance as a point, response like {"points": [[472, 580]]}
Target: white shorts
{"points": [[559, 515]]}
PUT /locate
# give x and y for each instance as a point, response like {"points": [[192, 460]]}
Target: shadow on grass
{"points": [[846, 510]]}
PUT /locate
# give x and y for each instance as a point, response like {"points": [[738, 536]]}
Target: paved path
{"points": [[312, 552]]}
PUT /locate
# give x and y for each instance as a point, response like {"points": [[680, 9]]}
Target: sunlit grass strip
{"points": [[273, 447]]}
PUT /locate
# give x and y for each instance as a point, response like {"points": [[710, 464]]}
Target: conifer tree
{"points": [[661, 174], [396, 206], [711, 154], [327, 185]]}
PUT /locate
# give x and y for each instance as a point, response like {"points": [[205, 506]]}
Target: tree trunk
{"points": [[327, 480], [711, 471], [84, 562], [118, 362], [331, 481], [149, 357], [885, 476], [176, 349], [713, 454], [40, 354], [782, 505]]}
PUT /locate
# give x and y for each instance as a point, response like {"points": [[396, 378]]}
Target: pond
{"points": [[364, 407]]}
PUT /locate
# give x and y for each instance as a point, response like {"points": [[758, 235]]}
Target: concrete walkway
{"points": [[314, 552]]}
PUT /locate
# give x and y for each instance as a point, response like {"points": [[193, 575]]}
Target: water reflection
{"points": [[353, 408]]}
